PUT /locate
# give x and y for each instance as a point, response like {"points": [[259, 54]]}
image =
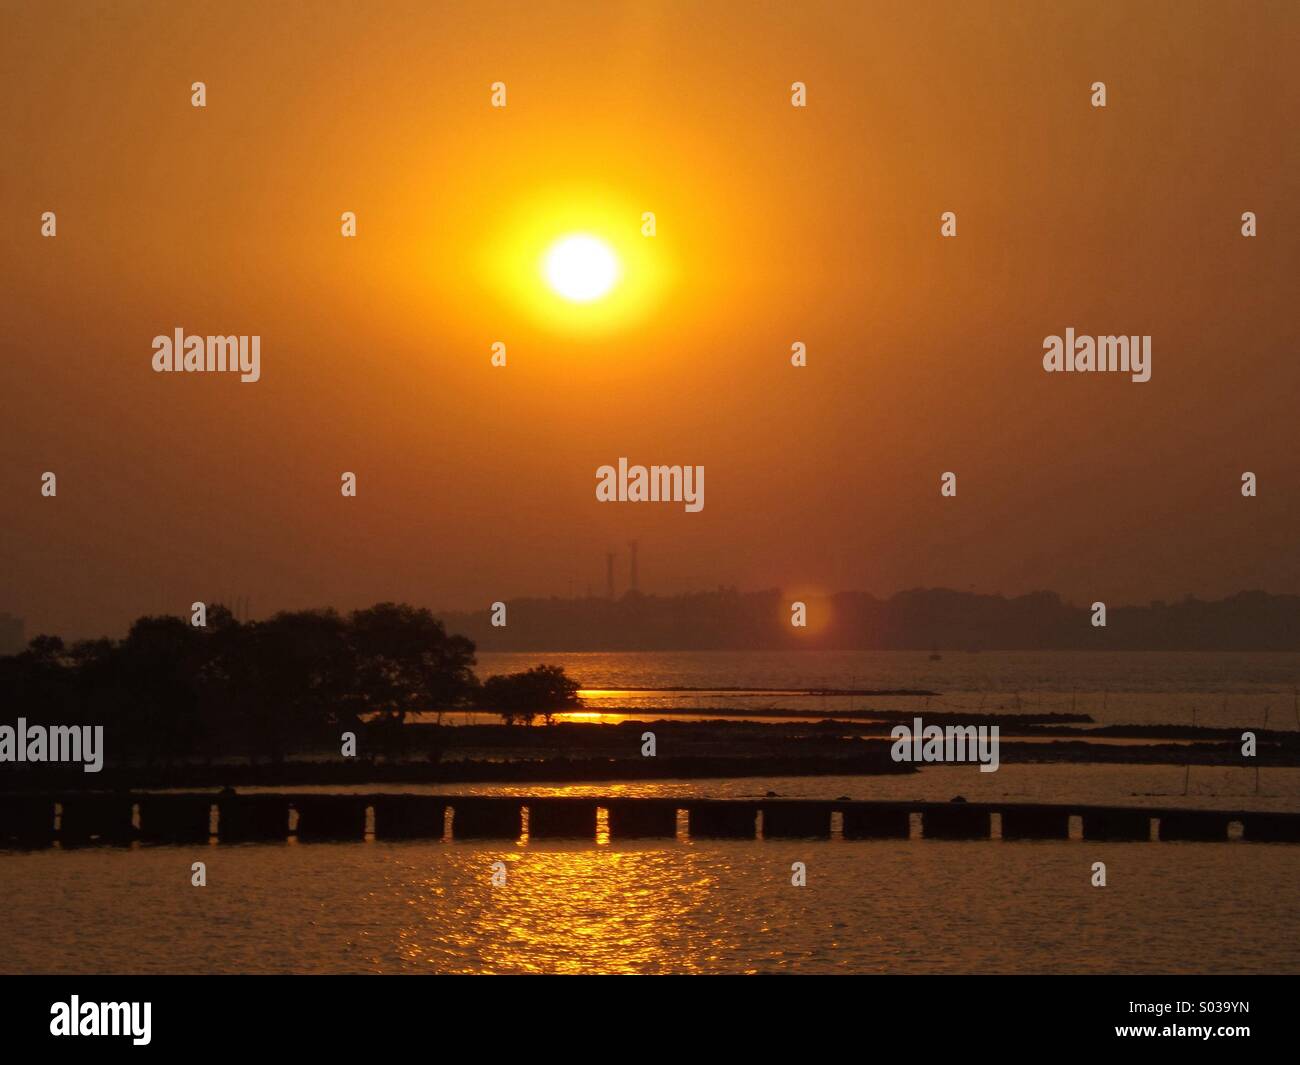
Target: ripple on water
{"points": [[655, 908]]}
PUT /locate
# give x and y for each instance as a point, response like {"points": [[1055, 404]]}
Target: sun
{"points": [[581, 268], [576, 260]]}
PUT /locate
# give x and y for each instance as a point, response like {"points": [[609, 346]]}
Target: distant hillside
{"points": [[918, 620]]}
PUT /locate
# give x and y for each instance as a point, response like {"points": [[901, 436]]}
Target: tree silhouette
{"points": [[543, 690], [170, 690]]}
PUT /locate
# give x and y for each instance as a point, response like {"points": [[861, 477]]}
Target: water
{"points": [[1208, 787], [705, 906], [1221, 689], [888, 907]]}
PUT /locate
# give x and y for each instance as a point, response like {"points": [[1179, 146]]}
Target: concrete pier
{"points": [[642, 818], [409, 816], [94, 818], [475, 818], [1117, 825], [796, 820], [252, 818], [956, 821], [722, 819], [1199, 825], [26, 820], [1270, 827], [1031, 822], [176, 818], [876, 821], [562, 819], [330, 817]]}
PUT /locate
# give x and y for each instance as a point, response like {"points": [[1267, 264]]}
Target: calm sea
{"points": [[888, 907], [1228, 689], [705, 906]]}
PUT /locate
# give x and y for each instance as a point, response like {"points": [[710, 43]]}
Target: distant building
{"points": [[11, 634]]}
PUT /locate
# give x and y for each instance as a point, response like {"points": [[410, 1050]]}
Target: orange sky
{"points": [[775, 224]]}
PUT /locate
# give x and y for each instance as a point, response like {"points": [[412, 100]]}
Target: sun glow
{"points": [[581, 268], [576, 260]]}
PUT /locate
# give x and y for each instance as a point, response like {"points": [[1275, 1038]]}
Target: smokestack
{"points": [[609, 574], [633, 585]]}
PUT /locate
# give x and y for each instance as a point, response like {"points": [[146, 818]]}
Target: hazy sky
{"points": [[775, 224]]}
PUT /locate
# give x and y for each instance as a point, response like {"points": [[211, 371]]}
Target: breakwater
{"points": [[84, 818]]}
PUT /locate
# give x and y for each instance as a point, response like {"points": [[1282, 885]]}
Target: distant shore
{"points": [[572, 752]]}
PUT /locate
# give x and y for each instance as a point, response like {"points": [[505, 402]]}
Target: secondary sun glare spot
{"points": [[581, 268]]}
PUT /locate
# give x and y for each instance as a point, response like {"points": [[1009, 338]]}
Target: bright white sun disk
{"points": [[581, 268]]}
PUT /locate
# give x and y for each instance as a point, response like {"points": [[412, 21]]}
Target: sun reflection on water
{"points": [[563, 909]]}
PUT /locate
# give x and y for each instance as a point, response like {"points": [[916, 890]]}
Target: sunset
{"points": [[649, 488], [581, 268]]}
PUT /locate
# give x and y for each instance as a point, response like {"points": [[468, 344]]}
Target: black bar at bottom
{"points": [[345, 1014]]}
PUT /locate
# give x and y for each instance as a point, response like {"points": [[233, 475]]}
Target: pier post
{"points": [[1270, 827], [955, 821], [875, 821], [96, 818], [1204, 825], [330, 817], [562, 819], [176, 818], [1034, 822], [409, 816], [642, 818], [474, 818], [795, 819], [27, 820], [1117, 825], [721, 819], [251, 818]]}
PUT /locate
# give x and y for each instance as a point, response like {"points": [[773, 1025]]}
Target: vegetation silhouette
{"points": [[544, 690], [173, 691]]}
